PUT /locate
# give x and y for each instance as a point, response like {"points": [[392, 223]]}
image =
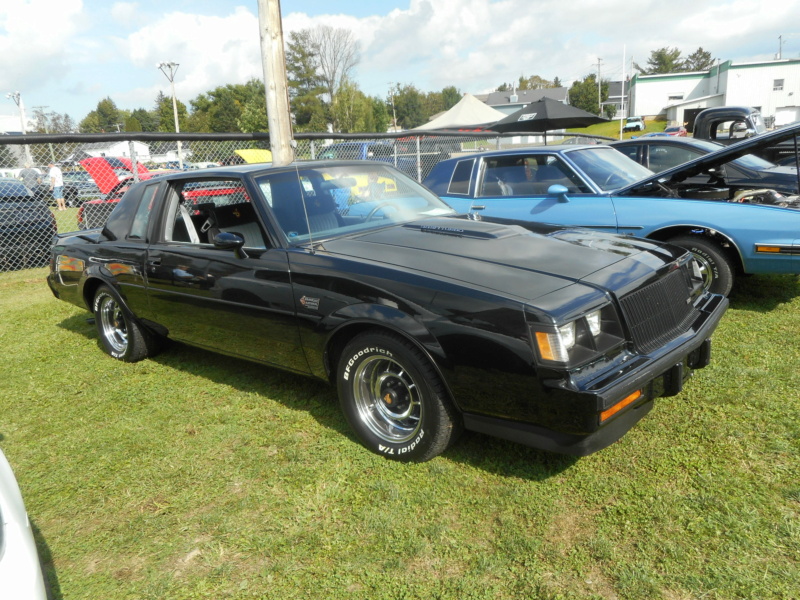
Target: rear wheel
{"points": [[394, 400], [121, 336], [715, 267]]}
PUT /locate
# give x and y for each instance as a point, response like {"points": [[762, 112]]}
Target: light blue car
{"points": [[597, 187]]}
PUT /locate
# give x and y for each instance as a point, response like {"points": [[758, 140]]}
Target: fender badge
{"points": [[310, 303]]}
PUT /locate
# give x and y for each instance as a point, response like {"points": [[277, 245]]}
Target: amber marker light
{"points": [[610, 412], [773, 249]]}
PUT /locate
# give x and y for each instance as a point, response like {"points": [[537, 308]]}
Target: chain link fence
{"points": [[96, 169]]}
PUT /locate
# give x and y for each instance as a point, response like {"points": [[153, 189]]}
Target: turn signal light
{"points": [[773, 249], [610, 412]]}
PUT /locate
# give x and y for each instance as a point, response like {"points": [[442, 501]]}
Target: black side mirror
{"points": [[226, 240]]}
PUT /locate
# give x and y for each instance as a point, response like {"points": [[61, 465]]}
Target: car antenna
{"points": [[305, 209]]}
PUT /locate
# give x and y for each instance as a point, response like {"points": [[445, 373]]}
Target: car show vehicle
{"points": [[428, 322], [676, 131], [731, 124], [20, 570], [747, 175], [113, 176], [27, 227], [633, 124], [598, 187]]}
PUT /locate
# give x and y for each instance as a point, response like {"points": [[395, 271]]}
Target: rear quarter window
{"points": [[459, 183]]}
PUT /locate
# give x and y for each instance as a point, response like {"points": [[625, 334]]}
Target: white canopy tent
{"points": [[469, 112]]}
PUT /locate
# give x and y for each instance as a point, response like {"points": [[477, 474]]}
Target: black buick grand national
{"points": [[428, 322]]}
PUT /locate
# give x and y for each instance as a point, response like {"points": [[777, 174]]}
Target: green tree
{"points": [[105, 118], [220, 109], [305, 83], [254, 116], [351, 109], [408, 105], [699, 60], [450, 97], [534, 82], [148, 120], [132, 124], [166, 114], [663, 60], [584, 94], [381, 115], [53, 122]]}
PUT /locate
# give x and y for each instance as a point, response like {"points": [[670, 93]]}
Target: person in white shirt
{"points": [[57, 186]]}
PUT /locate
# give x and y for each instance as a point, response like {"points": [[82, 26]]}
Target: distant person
{"points": [[29, 176], [57, 186]]}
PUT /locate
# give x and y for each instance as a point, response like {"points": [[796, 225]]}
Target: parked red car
{"points": [[113, 175], [678, 130]]}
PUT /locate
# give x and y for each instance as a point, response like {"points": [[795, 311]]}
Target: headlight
{"points": [[580, 340]]}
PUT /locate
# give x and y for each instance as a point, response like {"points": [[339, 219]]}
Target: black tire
{"points": [[120, 335], [394, 400], [715, 266]]}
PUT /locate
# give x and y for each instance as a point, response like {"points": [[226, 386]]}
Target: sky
{"points": [[67, 55]]}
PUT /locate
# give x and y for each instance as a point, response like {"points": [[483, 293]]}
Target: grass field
{"points": [[193, 476]]}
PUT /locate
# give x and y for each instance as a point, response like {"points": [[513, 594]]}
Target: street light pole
{"points": [[169, 69], [17, 98]]}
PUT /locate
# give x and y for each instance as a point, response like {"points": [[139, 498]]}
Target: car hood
{"points": [[717, 158], [510, 258], [106, 171]]}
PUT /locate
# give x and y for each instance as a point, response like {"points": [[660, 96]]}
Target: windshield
{"points": [[324, 201], [608, 168]]}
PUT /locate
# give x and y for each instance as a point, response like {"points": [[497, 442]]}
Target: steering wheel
{"points": [[611, 177], [378, 207]]}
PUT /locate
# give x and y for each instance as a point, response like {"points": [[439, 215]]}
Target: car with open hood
{"points": [[729, 229], [112, 175], [746, 175], [428, 322]]}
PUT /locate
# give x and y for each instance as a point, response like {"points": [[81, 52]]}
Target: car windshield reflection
{"points": [[324, 201], [609, 170]]}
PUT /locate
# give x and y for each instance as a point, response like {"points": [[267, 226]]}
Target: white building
{"points": [[772, 87]]}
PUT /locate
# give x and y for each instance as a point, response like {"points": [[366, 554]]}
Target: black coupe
{"points": [[428, 322]]}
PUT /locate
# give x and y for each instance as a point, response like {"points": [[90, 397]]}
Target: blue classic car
{"points": [[598, 187]]}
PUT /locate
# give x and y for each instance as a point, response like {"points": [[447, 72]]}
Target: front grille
{"points": [[659, 312]]}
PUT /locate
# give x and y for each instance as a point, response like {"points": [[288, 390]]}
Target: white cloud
{"points": [[76, 53], [34, 40]]}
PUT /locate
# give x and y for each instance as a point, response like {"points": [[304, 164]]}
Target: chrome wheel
{"points": [[387, 399], [704, 269], [112, 324]]}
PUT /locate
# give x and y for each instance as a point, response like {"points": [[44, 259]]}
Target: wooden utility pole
{"points": [[275, 84]]}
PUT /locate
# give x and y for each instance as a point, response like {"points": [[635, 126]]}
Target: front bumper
{"points": [[652, 377]]}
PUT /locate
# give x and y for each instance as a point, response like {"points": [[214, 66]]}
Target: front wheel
{"points": [[715, 268], [120, 335], [394, 400]]}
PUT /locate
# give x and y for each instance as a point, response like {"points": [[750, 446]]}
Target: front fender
{"points": [[347, 322]]}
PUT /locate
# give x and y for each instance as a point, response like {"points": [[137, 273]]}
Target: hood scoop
{"points": [[476, 230]]}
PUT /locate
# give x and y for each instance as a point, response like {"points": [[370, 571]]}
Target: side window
{"points": [[142, 217], [459, 184], [631, 152], [665, 157], [200, 209]]}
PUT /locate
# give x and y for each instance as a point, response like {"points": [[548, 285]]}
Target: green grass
{"points": [[611, 129], [193, 476]]}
